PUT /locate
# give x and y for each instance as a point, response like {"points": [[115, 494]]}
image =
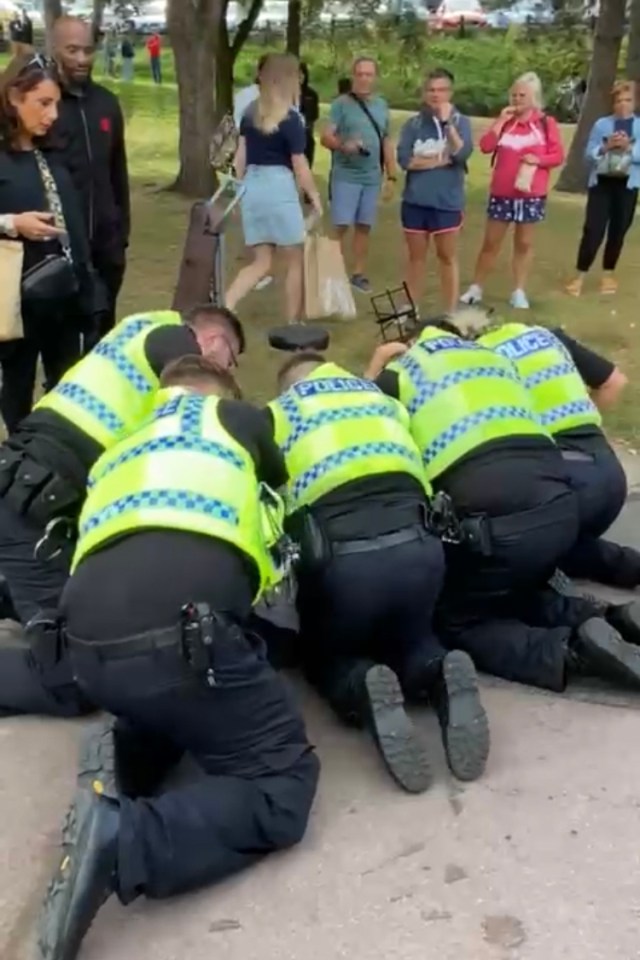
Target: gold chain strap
{"points": [[53, 201]]}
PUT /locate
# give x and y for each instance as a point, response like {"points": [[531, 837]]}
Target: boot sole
{"points": [[53, 939], [97, 759], [466, 736], [627, 625], [404, 754], [616, 659]]}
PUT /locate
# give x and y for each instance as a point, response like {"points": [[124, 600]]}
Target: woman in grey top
{"points": [[433, 149]]}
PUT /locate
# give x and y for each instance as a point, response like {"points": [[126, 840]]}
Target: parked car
{"points": [[452, 13], [521, 12]]}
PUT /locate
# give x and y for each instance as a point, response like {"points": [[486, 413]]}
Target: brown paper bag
{"points": [[11, 254], [327, 292]]}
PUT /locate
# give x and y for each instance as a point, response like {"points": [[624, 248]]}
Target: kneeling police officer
{"points": [[371, 570], [43, 474], [568, 384], [173, 551], [483, 446]]}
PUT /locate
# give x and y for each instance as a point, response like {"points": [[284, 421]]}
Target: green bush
{"points": [[484, 63]]}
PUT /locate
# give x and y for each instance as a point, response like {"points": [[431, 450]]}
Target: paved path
{"points": [[538, 861]]}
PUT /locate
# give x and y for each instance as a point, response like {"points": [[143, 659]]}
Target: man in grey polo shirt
{"points": [[362, 154]]}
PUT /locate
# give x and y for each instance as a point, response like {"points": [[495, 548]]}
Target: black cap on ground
{"points": [[296, 337]]}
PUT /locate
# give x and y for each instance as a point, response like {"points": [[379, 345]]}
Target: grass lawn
{"points": [[160, 219]]}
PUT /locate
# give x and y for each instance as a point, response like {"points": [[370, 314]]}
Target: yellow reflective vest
{"points": [[333, 428], [460, 395], [110, 391], [180, 471], [560, 396]]}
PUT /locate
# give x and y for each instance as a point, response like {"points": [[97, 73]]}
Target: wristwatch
{"points": [[7, 226], [392, 179]]}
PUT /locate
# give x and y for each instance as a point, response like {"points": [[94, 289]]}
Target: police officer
{"points": [[370, 570], [43, 472], [172, 554], [483, 446], [567, 400]]}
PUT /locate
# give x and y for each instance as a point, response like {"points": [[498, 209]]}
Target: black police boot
{"points": [[402, 751], [7, 609], [625, 618], [85, 878], [465, 727], [596, 649]]}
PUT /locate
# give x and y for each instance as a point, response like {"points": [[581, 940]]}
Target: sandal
{"points": [[608, 286]]}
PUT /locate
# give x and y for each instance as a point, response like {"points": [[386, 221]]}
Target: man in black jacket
{"points": [[90, 135]]}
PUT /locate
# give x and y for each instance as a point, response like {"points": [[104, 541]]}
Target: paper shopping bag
{"points": [[11, 254], [326, 284]]}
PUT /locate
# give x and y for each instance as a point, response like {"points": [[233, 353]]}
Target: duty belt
{"points": [[384, 542], [193, 638]]}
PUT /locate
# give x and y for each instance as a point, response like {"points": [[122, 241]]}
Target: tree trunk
{"points": [[294, 27], [225, 60], [96, 17], [597, 102], [633, 50], [194, 27], [52, 11]]}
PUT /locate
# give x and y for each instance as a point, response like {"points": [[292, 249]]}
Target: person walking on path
{"points": [[154, 49], [271, 163], [613, 156]]}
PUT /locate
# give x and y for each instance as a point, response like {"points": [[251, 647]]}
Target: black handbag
{"points": [[54, 277]]}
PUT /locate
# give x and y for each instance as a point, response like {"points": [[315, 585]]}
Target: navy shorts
{"points": [[417, 219], [508, 210]]}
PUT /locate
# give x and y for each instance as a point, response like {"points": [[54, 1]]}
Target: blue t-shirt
{"points": [[351, 123], [273, 149], [624, 125]]}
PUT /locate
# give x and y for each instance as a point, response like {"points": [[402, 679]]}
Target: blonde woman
{"points": [[525, 146], [271, 163]]}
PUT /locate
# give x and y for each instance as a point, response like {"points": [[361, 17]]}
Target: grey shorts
{"points": [[353, 203]]}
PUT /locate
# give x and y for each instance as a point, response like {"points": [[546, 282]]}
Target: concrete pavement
{"points": [[537, 861]]}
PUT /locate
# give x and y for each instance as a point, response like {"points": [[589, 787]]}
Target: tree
{"points": [[294, 27], [204, 56], [52, 11], [604, 66], [633, 50]]}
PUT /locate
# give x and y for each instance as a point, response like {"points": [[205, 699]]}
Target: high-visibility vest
{"points": [[460, 395], [560, 396], [110, 391], [180, 471], [334, 427]]}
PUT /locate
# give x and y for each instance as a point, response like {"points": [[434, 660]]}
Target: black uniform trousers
{"points": [[371, 607], [497, 607], [50, 333], [246, 733], [111, 273], [600, 484]]}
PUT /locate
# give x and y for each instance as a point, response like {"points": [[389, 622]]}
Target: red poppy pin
{"points": [[105, 125]]}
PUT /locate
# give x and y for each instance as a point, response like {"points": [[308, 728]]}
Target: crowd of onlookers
{"points": [[524, 144]]}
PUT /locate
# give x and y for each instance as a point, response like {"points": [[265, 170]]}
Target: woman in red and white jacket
{"points": [[525, 146]]}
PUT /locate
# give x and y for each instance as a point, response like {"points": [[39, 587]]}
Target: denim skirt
{"points": [[270, 208]]}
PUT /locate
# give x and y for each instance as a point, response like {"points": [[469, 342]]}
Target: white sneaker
{"points": [[472, 296], [261, 284], [519, 300]]}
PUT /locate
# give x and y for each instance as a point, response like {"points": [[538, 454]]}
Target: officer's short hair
{"points": [[207, 314], [200, 373], [301, 359]]}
